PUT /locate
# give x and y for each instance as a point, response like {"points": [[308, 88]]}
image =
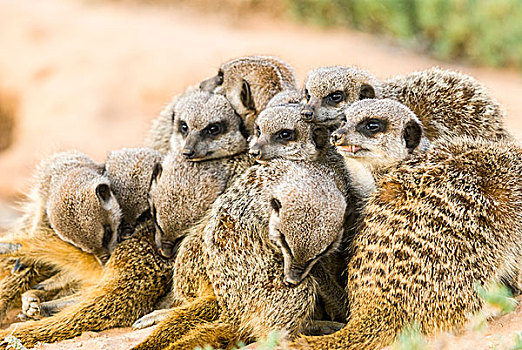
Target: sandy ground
{"points": [[91, 75]]}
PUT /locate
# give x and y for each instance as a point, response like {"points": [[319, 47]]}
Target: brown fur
{"points": [[234, 258], [438, 224], [132, 282]]}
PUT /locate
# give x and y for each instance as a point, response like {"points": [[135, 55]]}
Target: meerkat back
{"points": [[448, 103]]}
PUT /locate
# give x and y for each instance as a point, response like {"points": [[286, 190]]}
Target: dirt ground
{"points": [[90, 75]]}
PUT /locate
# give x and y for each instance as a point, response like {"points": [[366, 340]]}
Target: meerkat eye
{"points": [[214, 129], [335, 98], [286, 135], [257, 130], [219, 78], [371, 127], [183, 127]]}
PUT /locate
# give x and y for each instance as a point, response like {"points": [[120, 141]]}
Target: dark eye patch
{"points": [[107, 235], [257, 130], [183, 128], [307, 95], [215, 129], [370, 127], [334, 98], [285, 245], [284, 136]]}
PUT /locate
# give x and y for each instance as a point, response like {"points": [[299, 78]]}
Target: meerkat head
{"points": [[306, 220], [130, 173], [180, 194], [83, 211], [207, 127], [250, 82], [280, 132], [379, 132], [329, 90]]}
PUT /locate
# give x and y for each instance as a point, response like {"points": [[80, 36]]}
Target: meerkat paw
{"points": [[151, 319], [31, 306], [323, 327]]}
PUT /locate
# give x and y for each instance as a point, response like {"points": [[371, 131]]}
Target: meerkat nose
{"points": [[308, 114], [189, 153], [290, 283], [255, 153], [337, 139]]}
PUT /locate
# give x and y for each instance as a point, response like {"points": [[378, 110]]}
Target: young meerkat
{"points": [[129, 172], [375, 135], [236, 283], [438, 225], [250, 82], [448, 103]]}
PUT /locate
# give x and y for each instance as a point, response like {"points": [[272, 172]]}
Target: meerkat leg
{"points": [[218, 334], [180, 321], [117, 301], [334, 297], [19, 281]]}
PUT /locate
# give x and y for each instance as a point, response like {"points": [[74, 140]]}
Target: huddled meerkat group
{"points": [[336, 214]]}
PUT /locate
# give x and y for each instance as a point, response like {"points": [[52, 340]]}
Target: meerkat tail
{"points": [[180, 321], [117, 301], [217, 334], [374, 316]]}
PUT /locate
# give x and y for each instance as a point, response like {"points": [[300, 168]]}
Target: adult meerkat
{"points": [[132, 282], [234, 264], [129, 172], [448, 103], [375, 135], [437, 225]]}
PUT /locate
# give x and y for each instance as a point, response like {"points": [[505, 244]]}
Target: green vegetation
{"points": [[411, 338], [485, 32], [518, 342], [497, 296], [14, 343]]}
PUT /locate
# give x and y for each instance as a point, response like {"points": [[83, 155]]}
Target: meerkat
{"points": [[236, 283], [129, 172], [210, 155], [132, 282], [375, 135], [71, 222], [250, 82], [438, 224], [448, 103]]}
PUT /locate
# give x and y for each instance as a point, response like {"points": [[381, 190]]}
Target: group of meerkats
{"points": [[337, 214]]}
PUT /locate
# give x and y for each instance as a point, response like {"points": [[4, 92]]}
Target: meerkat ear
{"points": [[103, 191], [246, 96], [366, 91], [156, 172], [276, 204], [412, 134], [320, 137]]}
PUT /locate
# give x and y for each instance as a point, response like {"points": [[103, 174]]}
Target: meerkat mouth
{"points": [[349, 148]]}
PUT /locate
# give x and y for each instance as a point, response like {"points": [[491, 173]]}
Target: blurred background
{"points": [[91, 74]]}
